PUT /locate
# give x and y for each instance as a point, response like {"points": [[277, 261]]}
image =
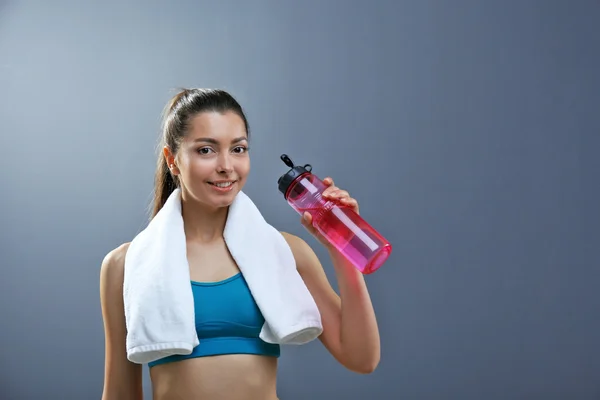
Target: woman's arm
{"points": [[122, 378], [350, 331]]}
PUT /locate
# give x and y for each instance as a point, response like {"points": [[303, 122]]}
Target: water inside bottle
{"points": [[350, 235]]}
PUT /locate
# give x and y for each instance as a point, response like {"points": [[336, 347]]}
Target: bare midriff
{"points": [[231, 377]]}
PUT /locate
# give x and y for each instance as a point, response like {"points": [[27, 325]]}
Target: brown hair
{"points": [[178, 111]]}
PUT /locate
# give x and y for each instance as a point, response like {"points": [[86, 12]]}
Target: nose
{"points": [[224, 164]]}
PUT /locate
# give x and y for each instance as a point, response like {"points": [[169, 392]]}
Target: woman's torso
{"points": [[228, 323], [231, 377]]}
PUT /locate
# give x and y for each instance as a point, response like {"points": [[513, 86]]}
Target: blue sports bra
{"points": [[228, 321]]}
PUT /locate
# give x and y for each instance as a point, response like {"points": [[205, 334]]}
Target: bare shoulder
{"points": [[116, 256], [113, 263], [306, 259], [293, 240]]}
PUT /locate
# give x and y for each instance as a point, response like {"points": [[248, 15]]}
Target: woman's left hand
{"points": [[333, 193]]}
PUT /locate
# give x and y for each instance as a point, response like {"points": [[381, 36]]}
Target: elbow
{"points": [[365, 366]]}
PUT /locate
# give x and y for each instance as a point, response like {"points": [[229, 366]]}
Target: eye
{"points": [[240, 149], [204, 150]]}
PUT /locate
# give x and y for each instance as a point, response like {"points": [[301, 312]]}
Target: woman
{"points": [[205, 153]]}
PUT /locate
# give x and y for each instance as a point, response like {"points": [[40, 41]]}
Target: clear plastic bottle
{"points": [[347, 231]]}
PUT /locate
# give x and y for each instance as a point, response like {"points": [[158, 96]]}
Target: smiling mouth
{"points": [[222, 184]]}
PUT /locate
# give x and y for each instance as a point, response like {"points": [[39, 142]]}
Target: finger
{"points": [[328, 181], [327, 192], [351, 206], [349, 201], [338, 194], [341, 194], [307, 223], [307, 219]]}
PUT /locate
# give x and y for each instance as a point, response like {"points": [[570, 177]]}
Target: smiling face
{"points": [[212, 162]]}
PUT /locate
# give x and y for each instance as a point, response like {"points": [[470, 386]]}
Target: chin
{"points": [[222, 202]]}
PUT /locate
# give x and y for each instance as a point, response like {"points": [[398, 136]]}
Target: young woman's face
{"points": [[212, 161]]}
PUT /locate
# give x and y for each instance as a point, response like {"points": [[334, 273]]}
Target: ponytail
{"points": [[164, 182], [164, 185]]}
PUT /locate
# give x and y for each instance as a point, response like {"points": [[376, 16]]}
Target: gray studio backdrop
{"points": [[468, 130]]}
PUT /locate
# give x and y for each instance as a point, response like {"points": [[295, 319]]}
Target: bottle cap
{"points": [[286, 179]]}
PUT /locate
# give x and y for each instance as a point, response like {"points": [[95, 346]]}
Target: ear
{"points": [[170, 159]]}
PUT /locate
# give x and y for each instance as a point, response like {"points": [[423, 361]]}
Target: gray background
{"points": [[468, 131]]}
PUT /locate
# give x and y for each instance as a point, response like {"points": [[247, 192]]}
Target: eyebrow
{"points": [[213, 141]]}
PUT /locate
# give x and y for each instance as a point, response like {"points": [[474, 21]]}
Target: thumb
{"points": [[307, 219], [307, 223]]}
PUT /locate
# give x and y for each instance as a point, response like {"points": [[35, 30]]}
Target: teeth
{"points": [[223, 185]]}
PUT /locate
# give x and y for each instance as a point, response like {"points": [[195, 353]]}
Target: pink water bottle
{"points": [[351, 235]]}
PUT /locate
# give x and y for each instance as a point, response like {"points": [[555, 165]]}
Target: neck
{"points": [[202, 223]]}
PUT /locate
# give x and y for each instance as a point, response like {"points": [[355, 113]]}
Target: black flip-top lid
{"points": [[286, 179]]}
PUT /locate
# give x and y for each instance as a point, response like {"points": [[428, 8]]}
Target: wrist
{"points": [[339, 261]]}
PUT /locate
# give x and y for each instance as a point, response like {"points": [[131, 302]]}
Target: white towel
{"points": [[159, 307]]}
